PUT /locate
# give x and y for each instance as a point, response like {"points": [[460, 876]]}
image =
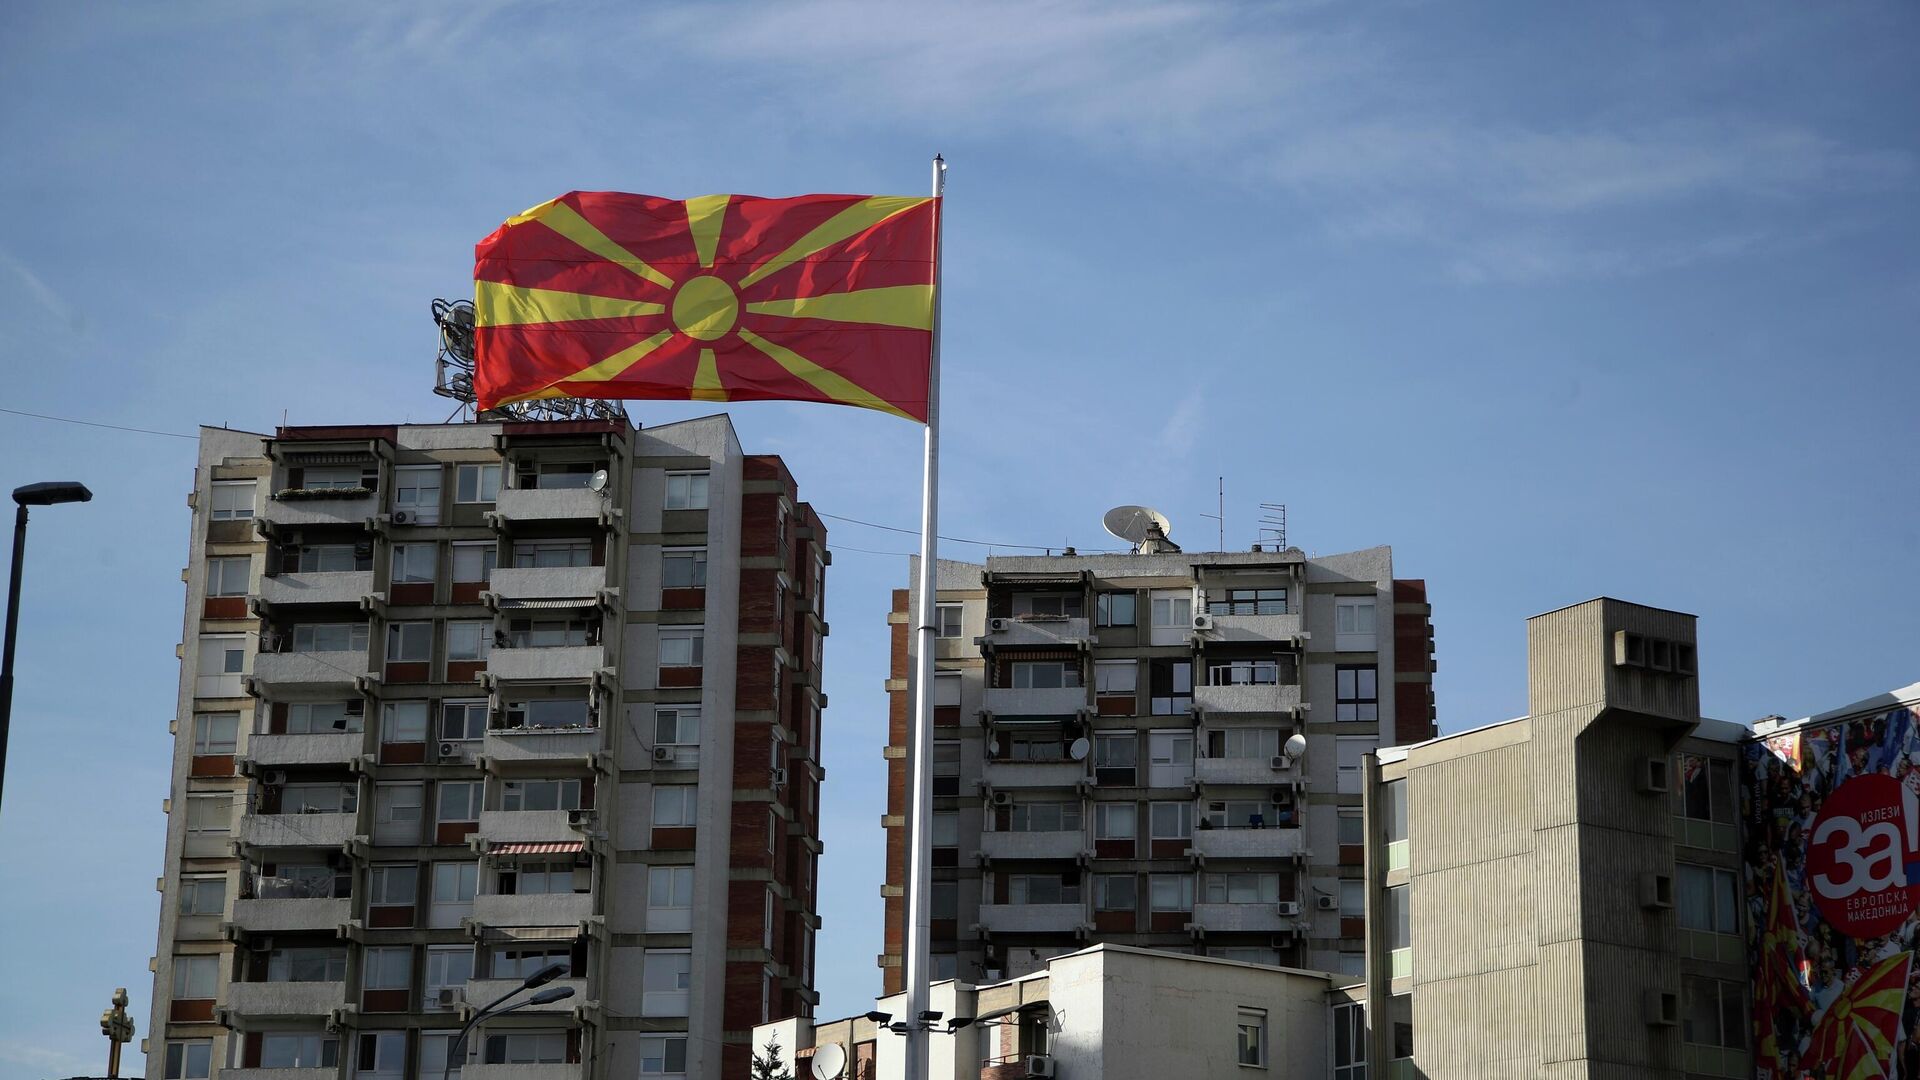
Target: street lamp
{"points": [[60, 491], [545, 997]]}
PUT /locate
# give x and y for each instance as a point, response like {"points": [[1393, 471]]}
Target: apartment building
{"points": [[460, 702], [1112, 759]]}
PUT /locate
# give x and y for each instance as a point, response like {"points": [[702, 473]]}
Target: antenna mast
{"points": [[1221, 517], [453, 377], [1273, 525]]}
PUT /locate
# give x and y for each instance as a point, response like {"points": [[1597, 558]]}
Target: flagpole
{"points": [[919, 950]]}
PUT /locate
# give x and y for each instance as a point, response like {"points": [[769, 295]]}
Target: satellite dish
{"points": [[993, 745], [829, 1061], [1296, 746], [1131, 523], [1078, 751], [598, 481]]}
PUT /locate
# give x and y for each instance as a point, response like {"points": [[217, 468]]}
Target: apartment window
{"points": [[473, 562], [1400, 1014], [410, 642], [1353, 899], [416, 490], [546, 795], [1170, 683], [203, 895], [1045, 674], [1172, 612], [334, 478], [298, 1050], [1043, 888], [463, 721], [533, 878], [948, 620], [460, 800], [382, 1056], [222, 659], [1349, 752], [476, 483], [669, 898], [1170, 820], [1706, 898], [1115, 757], [415, 563], [396, 885], [328, 558], [1116, 609], [449, 967], [1706, 789], [944, 901], [1250, 602], [330, 797], [1116, 677], [663, 1055], [686, 491], [195, 977], [945, 827], [677, 726], [1242, 888], [387, 968], [1350, 1042], [946, 767], [1351, 828], [1393, 809], [1044, 817], [209, 814], [682, 648], [324, 717], [302, 881], [683, 568], [232, 501], [520, 961], [397, 807], [666, 977], [330, 637], [190, 1059], [1244, 743], [674, 806], [1051, 605], [454, 885], [1712, 1013], [527, 1048], [1399, 911], [549, 713], [1116, 892], [435, 1049], [550, 633], [544, 554], [469, 640], [1170, 892], [229, 575], [316, 964], [1245, 814], [1252, 1039], [557, 475], [1353, 624], [1169, 758], [215, 734], [1356, 693], [403, 722], [1115, 821]]}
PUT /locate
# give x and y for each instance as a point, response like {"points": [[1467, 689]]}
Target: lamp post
{"points": [[545, 997], [60, 491]]}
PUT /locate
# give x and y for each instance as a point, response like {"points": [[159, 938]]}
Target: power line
{"points": [[89, 423], [952, 539]]}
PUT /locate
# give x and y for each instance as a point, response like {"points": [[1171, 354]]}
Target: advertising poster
{"points": [[1833, 879]]}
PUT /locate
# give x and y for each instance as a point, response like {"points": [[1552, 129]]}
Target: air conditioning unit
{"points": [[1203, 622], [779, 776], [403, 517], [998, 625], [1039, 1065], [1003, 798], [273, 777], [263, 943], [449, 751], [579, 819], [662, 754], [1326, 903], [357, 707], [1656, 890], [1287, 908], [1281, 763], [1661, 1008], [448, 996], [1656, 776]]}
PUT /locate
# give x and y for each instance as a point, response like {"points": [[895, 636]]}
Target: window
{"points": [[527, 1048], [945, 900], [948, 620], [1712, 1013], [1393, 809], [945, 828], [1349, 753], [542, 795], [674, 806], [1400, 1014], [469, 640], [1353, 898], [1170, 682], [413, 563], [676, 726], [1044, 817], [410, 642], [1350, 1042], [1172, 614], [435, 1048], [209, 813], [324, 717], [1051, 605], [215, 734], [666, 976], [195, 977], [1250, 602], [669, 899], [328, 558], [463, 721], [1250, 673], [1399, 918], [1247, 743], [1115, 821], [1170, 820], [682, 648], [1706, 789], [551, 633], [203, 895], [396, 885], [946, 767], [549, 713], [1706, 897], [192, 1059], [397, 805], [302, 881], [383, 1055], [460, 800], [533, 878], [416, 490], [232, 501], [1044, 674], [222, 659], [1043, 888], [473, 562], [1351, 828], [1246, 814], [1253, 1037], [315, 964], [454, 885], [686, 491], [1115, 677], [684, 568], [542, 554], [1169, 758], [229, 575], [1115, 755], [1116, 609], [298, 1050], [517, 961], [1242, 888], [476, 483], [1116, 892], [330, 637], [663, 1055], [334, 477], [556, 475], [403, 722], [387, 968], [1353, 624], [1170, 892], [1356, 693], [329, 797], [449, 967]]}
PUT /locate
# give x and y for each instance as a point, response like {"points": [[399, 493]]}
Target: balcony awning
{"points": [[521, 603], [328, 457], [539, 847], [494, 934], [1002, 577]]}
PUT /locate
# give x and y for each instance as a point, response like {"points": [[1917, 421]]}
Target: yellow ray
{"points": [[566, 221], [497, 304], [610, 368], [836, 386], [895, 305], [854, 219], [705, 215], [706, 379]]}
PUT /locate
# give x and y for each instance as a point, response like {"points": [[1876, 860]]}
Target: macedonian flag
{"points": [[1867, 1013], [599, 294]]}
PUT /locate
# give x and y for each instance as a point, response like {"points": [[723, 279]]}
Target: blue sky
{"points": [[1556, 301]]}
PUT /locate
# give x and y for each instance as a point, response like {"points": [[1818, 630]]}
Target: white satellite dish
{"points": [[829, 1061], [1078, 751], [1296, 745], [1131, 523], [598, 481], [993, 744]]}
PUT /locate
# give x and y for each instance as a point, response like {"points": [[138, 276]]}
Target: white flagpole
{"points": [[919, 951]]}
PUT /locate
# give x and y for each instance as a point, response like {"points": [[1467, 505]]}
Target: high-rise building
{"points": [[461, 702], [1114, 757]]}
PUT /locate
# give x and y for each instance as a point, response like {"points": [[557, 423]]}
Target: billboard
{"points": [[1832, 863]]}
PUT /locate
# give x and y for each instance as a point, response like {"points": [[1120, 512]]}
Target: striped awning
{"points": [[538, 847], [522, 603]]}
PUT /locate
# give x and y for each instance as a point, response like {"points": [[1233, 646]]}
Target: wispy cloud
{"points": [[42, 294]]}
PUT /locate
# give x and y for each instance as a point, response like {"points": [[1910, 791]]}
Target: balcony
{"points": [[533, 746], [481, 991], [1248, 843], [1241, 771], [510, 826], [328, 1073], [1004, 775], [548, 504], [553, 909], [521, 1072], [277, 751], [1223, 917], [1247, 697], [1032, 918], [548, 582], [356, 509], [310, 670], [342, 587], [577, 662], [1041, 630], [1033, 845], [1246, 629], [1059, 701], [297, 830], [291, 913], [272, 1000]]}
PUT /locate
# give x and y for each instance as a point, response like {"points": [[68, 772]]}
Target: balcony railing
{"points": [[1056, 701], [1032, 918], [507, 826], [1034, 774], [1237, 770], [291, 913], [551, 909], [1247, 698], [548, 665], [315, 1073], [271, 1000], [296, 670], [297, 830], [341, 587], [1033, 845], [1252, 628], [1257, 916], [1042, 630], [1277, 843], [331, 748], [523, 1072], [549, 504], [532, 745], [547, 582]]}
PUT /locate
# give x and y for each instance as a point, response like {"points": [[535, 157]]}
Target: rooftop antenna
{"points": [[1273, 526], [1143, 527], [1221, 517], [453, 377]]}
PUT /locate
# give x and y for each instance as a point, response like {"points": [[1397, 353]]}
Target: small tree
{"points": [[770, 1067]]}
